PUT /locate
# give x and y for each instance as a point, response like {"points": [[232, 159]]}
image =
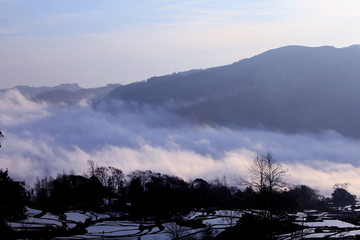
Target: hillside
{"points": [[291, 89], [56, 96], [66, 93]]}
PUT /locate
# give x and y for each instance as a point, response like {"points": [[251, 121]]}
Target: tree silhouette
{"points": [[13, 197], [305, 197], [267, 177], [341, 197], [265, 174], [1, 135]]}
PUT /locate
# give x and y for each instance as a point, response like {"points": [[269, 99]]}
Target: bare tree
{"points": [[92, 167], [1, 135], [344, 186], [265, 174], [175, 231], [101, 173], [118, 178], [230, 217]]}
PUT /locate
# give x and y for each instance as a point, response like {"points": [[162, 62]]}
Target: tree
{"points": [[13, 197], [266, 176], [305, 197], [101, 173], [68, 192], [117, 178], [92, 167], [341, 197], [41, 191], [201, 192], [1, 135]]}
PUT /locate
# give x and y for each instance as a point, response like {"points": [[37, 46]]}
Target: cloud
{"points": [[46, 140], [16, 109], [322, 174]]}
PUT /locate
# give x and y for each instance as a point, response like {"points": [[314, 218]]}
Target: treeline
{"points": [[140, 193], [144, 194]]}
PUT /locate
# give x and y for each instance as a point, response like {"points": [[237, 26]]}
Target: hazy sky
{"points": [[98, 42]]}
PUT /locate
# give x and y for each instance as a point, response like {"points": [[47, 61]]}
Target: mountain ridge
{"points": [[291, 89], [66, 93], [239, 70]]}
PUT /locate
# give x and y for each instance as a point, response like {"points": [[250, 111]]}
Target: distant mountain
{"points": [[31, 92], [65, 96], [291, 89], [68, 93]]}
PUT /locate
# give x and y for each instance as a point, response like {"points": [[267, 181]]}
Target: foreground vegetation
{"points": [[145, 195]]}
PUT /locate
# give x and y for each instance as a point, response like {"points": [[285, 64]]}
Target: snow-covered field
{"points": [[217, 221], [36, 219], [130, 230], [102, 228], [322, 228]]}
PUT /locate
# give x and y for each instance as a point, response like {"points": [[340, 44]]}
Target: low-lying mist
{"points": [[41, 139]]}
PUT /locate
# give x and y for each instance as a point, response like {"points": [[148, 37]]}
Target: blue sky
{"points": [[98, 42]]}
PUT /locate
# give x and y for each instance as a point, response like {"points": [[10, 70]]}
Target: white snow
{"points": [[97, 216], [50, 216], [109, 228], [32, 212], [76, 217], [329, 223], [349, 233], [43, 221]]}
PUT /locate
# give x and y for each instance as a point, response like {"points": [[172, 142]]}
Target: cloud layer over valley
{"points": [[42, 139]]}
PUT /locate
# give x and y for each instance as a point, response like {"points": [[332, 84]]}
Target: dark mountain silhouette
{"points": [[291, 89], [68, 93], [31, 92], [65, 96]]}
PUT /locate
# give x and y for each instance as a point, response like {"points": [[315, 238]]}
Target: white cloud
{"points": [[42, 140], [16, 109], [322, 174]]}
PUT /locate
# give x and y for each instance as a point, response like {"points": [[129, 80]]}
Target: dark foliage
{"points": [[154, 194], [254, 227], [209, 195], [304, 197], [70, 192], [341, 197], [13, 197], [6, 231], [1, 135], [159, 196], [245, 199]]}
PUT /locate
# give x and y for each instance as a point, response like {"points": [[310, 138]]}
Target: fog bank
{"points": [[45, 140]]}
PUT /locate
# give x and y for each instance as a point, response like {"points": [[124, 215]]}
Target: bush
{"points": [[13, 197]]}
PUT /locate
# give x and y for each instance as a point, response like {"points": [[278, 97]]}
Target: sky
{"points": [[94, 43]]}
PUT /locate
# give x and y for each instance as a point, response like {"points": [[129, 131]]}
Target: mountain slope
{"points": [[291, 89], [68, 93], [65, 96], [31, 92]]}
